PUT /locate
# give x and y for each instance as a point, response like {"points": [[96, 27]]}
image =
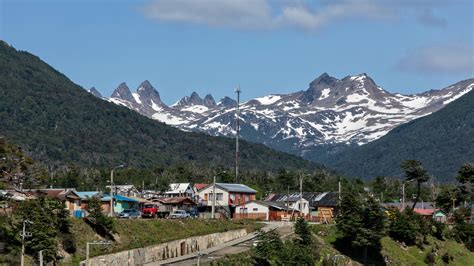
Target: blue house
{"points": [[120, 203]]}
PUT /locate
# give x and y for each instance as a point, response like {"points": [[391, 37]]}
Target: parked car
{"points": [[179, 214], [193, 213], [150, 210], [130, 214]]}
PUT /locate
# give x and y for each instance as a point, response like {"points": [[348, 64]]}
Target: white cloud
{"points": [[303, 14], [223, 13], [443, 59]]}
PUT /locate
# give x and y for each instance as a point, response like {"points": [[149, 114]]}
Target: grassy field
{"points": [[140, 233], [396, 254]]}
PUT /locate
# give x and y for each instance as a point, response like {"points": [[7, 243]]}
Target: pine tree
{"points": [[414, 171]]}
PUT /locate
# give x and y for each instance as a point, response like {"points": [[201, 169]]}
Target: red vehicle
{"points": [[150, 210]]}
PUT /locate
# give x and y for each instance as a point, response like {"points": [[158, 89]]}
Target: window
{"points": [[255, 209], [247, 197], [232, 197], [219, 196]]}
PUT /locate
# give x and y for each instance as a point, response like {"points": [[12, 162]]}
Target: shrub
{"points": [[407, 227]]}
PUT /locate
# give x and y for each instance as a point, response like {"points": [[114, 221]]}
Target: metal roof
{"points": [[118, 197], [236, 187], [87, 194]]}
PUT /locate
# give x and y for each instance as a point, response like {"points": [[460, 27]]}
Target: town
{"points": [[236, 132], [186, 200]]}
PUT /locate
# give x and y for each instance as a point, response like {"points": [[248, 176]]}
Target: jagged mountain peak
{"points": [[95, 92], [209, 100], [122, 92], [195, 98], [324, 79], [145, 85], [227, 102], [148, 94]]}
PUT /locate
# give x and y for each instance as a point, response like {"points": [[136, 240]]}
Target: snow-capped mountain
{"points": [[352, 110]]}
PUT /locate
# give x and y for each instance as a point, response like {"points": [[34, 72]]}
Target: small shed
{"points": [[440, 216]]}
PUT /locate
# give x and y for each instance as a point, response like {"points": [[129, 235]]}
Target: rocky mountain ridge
{"points": [[351, 110]]}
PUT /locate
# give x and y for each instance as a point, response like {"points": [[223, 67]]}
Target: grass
{"points": [[141, 233], [398, 255]]}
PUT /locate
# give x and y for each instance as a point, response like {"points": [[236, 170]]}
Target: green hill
{"points": [[442, 141], [58, 122]]}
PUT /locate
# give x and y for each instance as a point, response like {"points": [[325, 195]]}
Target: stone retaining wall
{"points": [[155, 253]]}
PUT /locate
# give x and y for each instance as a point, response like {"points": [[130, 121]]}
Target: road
{"points": [[232, 247]]}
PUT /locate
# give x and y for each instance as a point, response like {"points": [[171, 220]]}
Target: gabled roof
{"points": [[419, 205], [58, 193], [200, 186], [315, 199], [276, 205], [88, 194], [425, 212], [178, 188], [231, 187]]}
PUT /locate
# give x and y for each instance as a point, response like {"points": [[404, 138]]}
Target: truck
{"points": [[150, 210]]}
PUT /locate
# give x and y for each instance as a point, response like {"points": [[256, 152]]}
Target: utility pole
{"points": [[112, 187], [237, 132], [213, 208], [301, 194], [23, 235], [339, 191], [403, 196], [41, 257], [288, 202]]}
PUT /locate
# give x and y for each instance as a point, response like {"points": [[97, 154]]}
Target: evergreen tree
{"points": [[103, 224], [303, 231], [466, 178], [360, 223], [414, 171]]}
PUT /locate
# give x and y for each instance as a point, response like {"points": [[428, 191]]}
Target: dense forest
{"points": [[58, 123], [442, 141]]}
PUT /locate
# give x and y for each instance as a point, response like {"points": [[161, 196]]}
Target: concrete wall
{"points": [[167, 250]]}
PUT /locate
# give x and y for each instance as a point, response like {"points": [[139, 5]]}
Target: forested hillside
{"points": [[58, 122], [442, 141]]}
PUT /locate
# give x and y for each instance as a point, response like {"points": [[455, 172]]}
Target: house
{"points": [[86, 196], [125, 190], [419, 205], [316, 206], [440, 216], [293, 201], [196, 188], [68, 195], [228, 196], [169, 205], [150, 194], [263, 210], [180, 190], [120, 203]]}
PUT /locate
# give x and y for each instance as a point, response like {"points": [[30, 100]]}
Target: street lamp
{"points": [[213, 206], [23, 235], [112, 189], [101, 242]]}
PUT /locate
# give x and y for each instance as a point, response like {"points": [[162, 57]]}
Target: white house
{"points": [[293, 201], [180, 190], [253, 210], [125, 190]]}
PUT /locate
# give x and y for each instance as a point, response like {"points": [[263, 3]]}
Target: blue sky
{"points": [[279, 46]]}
